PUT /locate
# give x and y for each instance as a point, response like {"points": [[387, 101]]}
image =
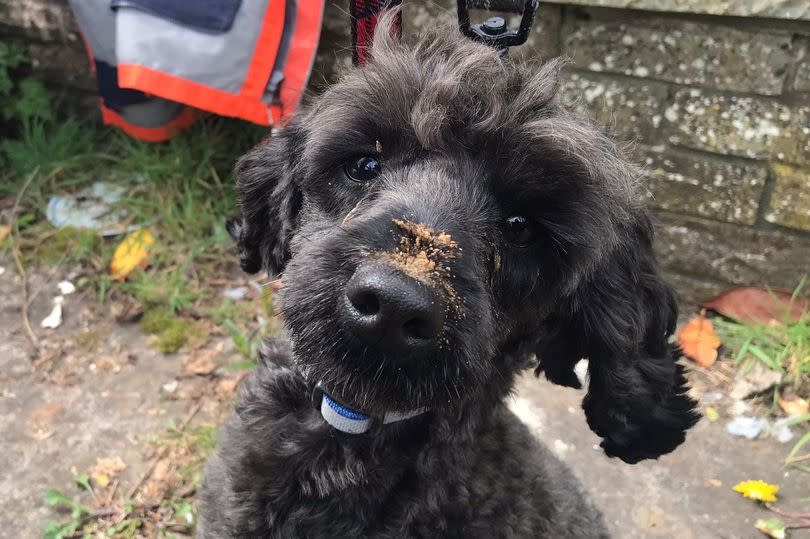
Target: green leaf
{"points": [[772, 527], [83, 481], [54, 497], [803, 440]]}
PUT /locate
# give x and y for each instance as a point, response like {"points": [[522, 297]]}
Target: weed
{"points": [[783, 347], [78, 512], [172, 332]]}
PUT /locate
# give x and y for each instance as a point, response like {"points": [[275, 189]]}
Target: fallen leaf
{"points": [[793, 405], [131, 253], [758, 379], [698, 341], [41, 419], [125, 309], [227, 386], [757, 490], [753, 304], [106, 469], [203, 362], [772, 527], [4, 232], [712, 414]]}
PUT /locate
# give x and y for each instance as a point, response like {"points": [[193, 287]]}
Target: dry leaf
{"points": [[106, 469], [132, 252], [752, 304], [203, 362], [4, 232], [125, 309], [227, 386], [41, 419], [793, 405], [698, 341]]}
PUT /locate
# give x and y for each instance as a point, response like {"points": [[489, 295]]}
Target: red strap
{"points": [[364, 16]]}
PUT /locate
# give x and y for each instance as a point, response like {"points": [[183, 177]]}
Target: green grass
{"points": [[783, 347]]}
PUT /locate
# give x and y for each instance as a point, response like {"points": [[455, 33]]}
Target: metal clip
{"points": [[494, 31]]}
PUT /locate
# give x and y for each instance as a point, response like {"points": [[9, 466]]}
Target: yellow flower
{"points": [[757, 490]]}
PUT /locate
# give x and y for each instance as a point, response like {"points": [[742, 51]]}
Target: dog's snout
{"points": [[388, 309]]}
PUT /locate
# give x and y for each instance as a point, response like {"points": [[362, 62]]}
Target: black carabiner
{"points": [[494, 31]]}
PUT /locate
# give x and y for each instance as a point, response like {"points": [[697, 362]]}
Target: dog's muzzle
{"points": [[350, 421]]}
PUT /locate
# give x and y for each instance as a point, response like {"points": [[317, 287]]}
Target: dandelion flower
{"points": [[757, 490]]}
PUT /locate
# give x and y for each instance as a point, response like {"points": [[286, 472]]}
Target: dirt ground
{"points": [[55, 424]]}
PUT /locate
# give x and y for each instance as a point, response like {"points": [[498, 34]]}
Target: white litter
{"points": [[54, 319], [235, 293], [781, 432], [66, 287], [747, 427], [2, 270]]}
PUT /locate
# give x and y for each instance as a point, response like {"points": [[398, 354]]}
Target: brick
{"points": [[752, 127], [730, 254], [802, 82], [632, 110], [777, 9], [683, 52], [704, 186], [790, 200]]}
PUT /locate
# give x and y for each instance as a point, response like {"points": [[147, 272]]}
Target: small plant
{"points": [[78, 512], [784, 347]]}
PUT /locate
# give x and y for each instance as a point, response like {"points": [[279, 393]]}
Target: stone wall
{"points": [[712, 97]]}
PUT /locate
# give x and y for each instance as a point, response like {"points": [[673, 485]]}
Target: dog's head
{"points": [[438, 217]]}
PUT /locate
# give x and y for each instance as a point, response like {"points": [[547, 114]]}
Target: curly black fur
{"points": [[468, 139]]}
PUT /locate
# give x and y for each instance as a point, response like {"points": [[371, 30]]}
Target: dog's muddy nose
{"points": [[386, 308]]}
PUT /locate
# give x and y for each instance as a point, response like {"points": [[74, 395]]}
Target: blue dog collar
{"points": [[350, 421]]}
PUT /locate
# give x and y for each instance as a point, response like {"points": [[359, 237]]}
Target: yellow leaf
{"points": [[132, 252], [712, 414], [698, 341], [4, 232], [757, 490]]}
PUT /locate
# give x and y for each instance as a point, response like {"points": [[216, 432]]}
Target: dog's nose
{"points": [[386, 308]]}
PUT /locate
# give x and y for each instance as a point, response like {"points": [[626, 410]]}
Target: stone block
{"points": [[632, 110], [704, 186], [710, 55], [730, 254], [46, 20], [754, 127], [777, 9], [790, 200], [802, 82]]}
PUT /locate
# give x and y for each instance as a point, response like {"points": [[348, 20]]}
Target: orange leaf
{"points": [[698, 341], [132, 252]]}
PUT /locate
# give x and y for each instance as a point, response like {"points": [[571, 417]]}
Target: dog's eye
{"points": [[363, 169], [519, 230]]}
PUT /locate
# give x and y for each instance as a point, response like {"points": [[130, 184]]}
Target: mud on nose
{"points": [[385, 308]]}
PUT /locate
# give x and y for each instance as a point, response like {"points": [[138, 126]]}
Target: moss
{"points": [[67, 244], [172, 332]]}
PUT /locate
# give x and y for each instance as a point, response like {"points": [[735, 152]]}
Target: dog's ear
{"points": [[620, 319], [270, 202]]}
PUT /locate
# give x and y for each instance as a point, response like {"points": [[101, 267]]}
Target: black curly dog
{"points": [[440, 219]]}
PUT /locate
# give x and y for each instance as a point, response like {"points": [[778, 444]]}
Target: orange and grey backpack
{"points": [[159, 62]]}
